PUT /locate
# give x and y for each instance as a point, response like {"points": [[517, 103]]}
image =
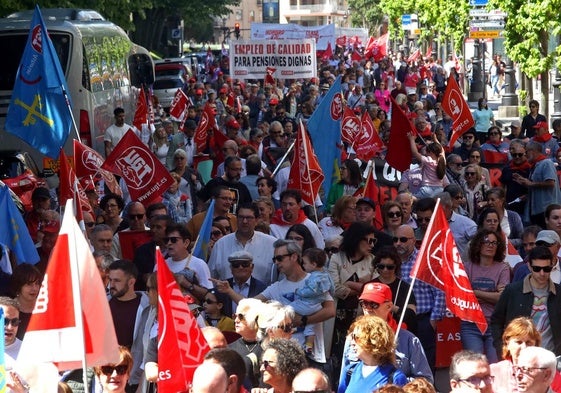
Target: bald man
{"points": [[311, 380], [214, 337], [209, 378]]}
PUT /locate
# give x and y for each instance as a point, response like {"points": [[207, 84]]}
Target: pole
{"points": [[282, 159]]}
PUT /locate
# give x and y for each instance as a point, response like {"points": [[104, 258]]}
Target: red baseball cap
{"points": [[273, 101], [376, 292], [199, 91], [232, 123], [541, 124]]}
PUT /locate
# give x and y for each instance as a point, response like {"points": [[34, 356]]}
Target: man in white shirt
{"points": [[115, 132]]}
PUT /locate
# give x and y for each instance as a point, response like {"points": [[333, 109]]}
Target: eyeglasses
{"points": [[136, 216], [216, 233], [542, 243], [267, 363], [476, 381], [370, 240], [517, 155], [393, 214], [537, 269], [90, 224], [402, 239], [280, 258], [237, 265], [246, 218], [172, 239], [423, 219], [108, 370], [490, 243], [12, 321], [526, 370], [331, 250], [286, 328], [208, 301], [475, 156], [295, 238], [469, 173], [241, 317], [369, 305], [381, 266]]}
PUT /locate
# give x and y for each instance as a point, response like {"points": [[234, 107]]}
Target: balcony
{"points": [[315, 9]]}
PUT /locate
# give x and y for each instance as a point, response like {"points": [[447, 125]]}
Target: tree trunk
{"points": [[544, 87]]}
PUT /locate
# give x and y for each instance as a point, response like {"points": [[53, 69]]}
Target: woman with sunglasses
{"points": [[392, 215], [495, 149], [474, 189], [350, 268], [248, 345], [388, 265], [114, 377], [488, 275], [281, 361], [213, 304]]}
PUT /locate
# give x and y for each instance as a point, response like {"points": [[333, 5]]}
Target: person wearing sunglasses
{"points": [[281, 361], [468, 145], [392, 215], [495, 150], [350, 269], [489, 275], [388, 265], [136, 220], [275, 321], [114, 377], [12, 344], [520, 298], [214, 315], [516, 193], [474, 190], [531, 119], [546, 238]]}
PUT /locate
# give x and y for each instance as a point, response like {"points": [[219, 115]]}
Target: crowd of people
{"points": [[299, 298]]}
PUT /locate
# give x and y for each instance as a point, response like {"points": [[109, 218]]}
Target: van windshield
{"points": [[12, 49]]}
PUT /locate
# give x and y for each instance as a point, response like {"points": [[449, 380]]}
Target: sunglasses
{"points": [[241, 317], [370, 240], [208, 301], [108, 370], [494, 133], [136, 216], [286, 328], [401, 239], [237, 265], [456, 163], [12, 321], [469, 173], [172, 239], [469, 137], [517, 155], [267, 363], [394, 214], [369, 305], [385, 267], [216, 233], [423, 219], [331, 250], [280, 258], [537, 269]]}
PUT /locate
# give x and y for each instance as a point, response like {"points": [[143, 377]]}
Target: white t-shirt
{"points": [[197, 265], [114, 134]]}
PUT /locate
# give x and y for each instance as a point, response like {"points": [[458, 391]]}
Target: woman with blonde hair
{"points": [[343, 214], [160, 143], [519, 333], [114, 377], [374, 343], [475, 189]]}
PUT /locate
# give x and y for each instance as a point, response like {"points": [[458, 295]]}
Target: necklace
{"points": [[249, 350]]}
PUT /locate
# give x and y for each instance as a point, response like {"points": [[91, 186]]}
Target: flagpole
{"points": [[369, 169], [283, 158], [67, 100]]}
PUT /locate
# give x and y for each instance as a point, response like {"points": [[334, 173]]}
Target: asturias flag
{"points": [[39, 112], [201, 246]]}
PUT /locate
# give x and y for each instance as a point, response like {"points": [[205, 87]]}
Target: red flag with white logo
{"points": [[88, 162], [368, 143], [439, 264], [71, 287], [179, 105], [206, 123], [414, 56], [146, 177], [429, 51], [377, 48], [457, 108], [70, 188], [350, 126], [181, 344], [372, 191], [141, 113], [306, 174]]}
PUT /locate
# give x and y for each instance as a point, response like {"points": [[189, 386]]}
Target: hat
{"points": [[273, 101], [199, 91], [223, 91], [548, 236], [410, 91], [240, 256], [325, 86], [469, 131], [232, 123], [211, 91], [515, 123], [314, 80], [50, 227], [376, 292], [40, 193], [190, 124], [367, 201], [192, 80], [541, 124]]}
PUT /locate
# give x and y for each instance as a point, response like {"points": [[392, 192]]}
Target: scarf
{"points": [[522, 167], [543, 138], [279, 219]]}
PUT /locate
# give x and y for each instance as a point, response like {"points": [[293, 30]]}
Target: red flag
{"points": [[306, 174], [429, 51], [206, 123], [377, 48], [355, 56], [327, 53], [439, 264], [141, 113], [414, 56], [269, 78], [88, 162], [456, 106], [372, 191], [179, 104], [70, 188], [71, 286], [231, 99], [355, 40], [146, 177], [399, 154], [368, 142], [494, 157], [350, 126], [181, 345], [341, 41]]}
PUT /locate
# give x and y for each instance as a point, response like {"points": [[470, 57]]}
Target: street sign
{"points": [[485, 34], [483, 13], [409, 22], [405, 19], [487, 24], [478, 2]]}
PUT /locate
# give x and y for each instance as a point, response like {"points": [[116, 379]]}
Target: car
{"points": [[171, 68], [19, 172], [165, 89]]}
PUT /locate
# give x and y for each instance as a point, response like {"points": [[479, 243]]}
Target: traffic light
{"points": [[237, 30]]}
